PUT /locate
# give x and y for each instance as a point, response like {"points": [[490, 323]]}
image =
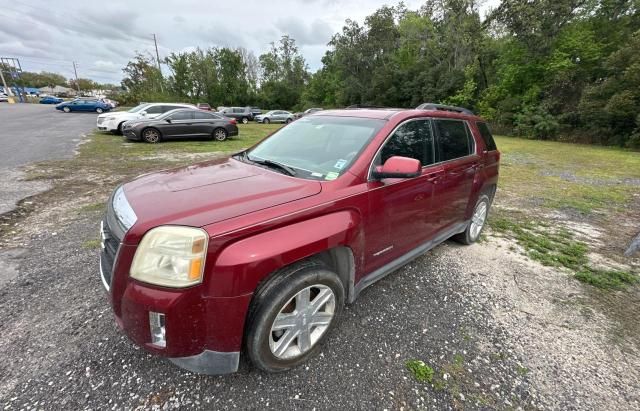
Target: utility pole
{"points": [[155, 42], [75, 71]]}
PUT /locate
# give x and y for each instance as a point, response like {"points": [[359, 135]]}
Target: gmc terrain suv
{"points": [[259, 252]]}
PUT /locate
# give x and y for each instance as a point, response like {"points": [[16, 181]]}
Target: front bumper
{"points": [[107, 125]]}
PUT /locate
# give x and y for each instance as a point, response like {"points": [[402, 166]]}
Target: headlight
{"points": [[171, 256], [110, 118]]}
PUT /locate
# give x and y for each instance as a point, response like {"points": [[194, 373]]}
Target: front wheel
{"points": [[99, 110], [151, 135], [292, 315], [66, 109], [266, 121], [477, 223], [288, 121], [244, 120]]}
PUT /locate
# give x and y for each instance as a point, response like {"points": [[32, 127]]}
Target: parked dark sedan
{"points": [[181, 123], [51, 100]]}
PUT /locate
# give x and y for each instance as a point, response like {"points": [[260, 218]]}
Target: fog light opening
{"points": [[157, 329]]}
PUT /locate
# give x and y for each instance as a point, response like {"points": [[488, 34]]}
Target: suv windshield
{"points": [[320, 148], [137, 108]]}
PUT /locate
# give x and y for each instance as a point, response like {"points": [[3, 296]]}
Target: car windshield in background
{"points": [[137, 108], [320, 148]]}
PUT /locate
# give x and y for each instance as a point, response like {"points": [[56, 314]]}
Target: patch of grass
{"points": [[575, 177], [522, 370], [607, 279], [420, 371], [556, 247], [92, 244]]}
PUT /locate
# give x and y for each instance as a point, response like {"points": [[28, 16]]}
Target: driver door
{"points": [[400, 208]]}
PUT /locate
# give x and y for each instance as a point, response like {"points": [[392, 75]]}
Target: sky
{"points": [[102, 37]]}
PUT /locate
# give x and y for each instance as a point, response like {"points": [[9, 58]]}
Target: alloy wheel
{"points": [[478, 219], [220, 134], [151, 136], [302, 321]]}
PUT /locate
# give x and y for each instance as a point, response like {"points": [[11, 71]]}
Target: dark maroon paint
{"points": [[260, 220]]}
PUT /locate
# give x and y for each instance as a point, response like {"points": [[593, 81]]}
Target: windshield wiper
{"points": [[273, 164]]}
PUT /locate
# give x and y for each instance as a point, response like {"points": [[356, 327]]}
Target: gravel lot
{"points": [[499, 330]]}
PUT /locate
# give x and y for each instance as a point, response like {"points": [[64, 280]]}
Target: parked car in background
{"points": [[110, 102], [220, 108], [275, 116], [242, 114], [4, 97], [51, 100], [258, 253], [113, 121], [181, 123], [84, 105], [307, 112], [204, 106], [256, 111]]}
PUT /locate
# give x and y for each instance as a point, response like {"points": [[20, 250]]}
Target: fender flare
{"points": [[241, 266]]}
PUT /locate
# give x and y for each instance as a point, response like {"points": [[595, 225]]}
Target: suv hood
{"points": [[210, 192], [119, 114]]}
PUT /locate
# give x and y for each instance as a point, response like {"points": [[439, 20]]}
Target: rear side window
{"points": [[413, 139], [204, 116], [155, 110], [485, 133], [182, 115], [453, 139]]}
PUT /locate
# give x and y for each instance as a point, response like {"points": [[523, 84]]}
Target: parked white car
{"points": [[4, 97], [114, 120]]}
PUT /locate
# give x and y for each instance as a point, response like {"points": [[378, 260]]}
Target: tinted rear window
{"points": [[485, 133], [453, 140]]}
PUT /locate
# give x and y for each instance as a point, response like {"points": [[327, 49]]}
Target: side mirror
{"points": [[168, 120], [143, 113], [398, 167]]}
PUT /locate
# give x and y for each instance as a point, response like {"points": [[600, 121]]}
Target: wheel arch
{"points": [[335, 239]]}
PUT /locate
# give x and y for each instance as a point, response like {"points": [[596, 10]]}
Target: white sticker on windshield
{"points": [[340, 163], [316, 174], [331, 175]]}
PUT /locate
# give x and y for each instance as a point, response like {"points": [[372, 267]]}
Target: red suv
{"points": [[260, 251]]}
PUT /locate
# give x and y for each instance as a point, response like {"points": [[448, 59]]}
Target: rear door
{"points": [[456, 152], [204, 123], [399, 217]]}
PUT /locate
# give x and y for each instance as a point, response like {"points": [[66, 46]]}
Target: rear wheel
{"points": [[220, 134], [119, 130], [288, 121], [292, 315], [99, 110], [151, 135], [477, 223], [244, 120], [266, 121]]}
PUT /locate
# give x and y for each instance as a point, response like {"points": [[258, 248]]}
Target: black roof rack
{"points": [[443, 107], [353, 106]]}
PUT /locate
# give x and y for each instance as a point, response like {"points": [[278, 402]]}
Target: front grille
{"points": [[100, 120], [110, 245]]}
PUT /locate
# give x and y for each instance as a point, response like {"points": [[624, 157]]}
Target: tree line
{"points": [[548, 69]]}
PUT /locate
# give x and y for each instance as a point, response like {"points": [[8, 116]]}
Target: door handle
{"points": [[434, 177]]}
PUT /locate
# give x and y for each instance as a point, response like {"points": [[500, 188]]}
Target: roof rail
{"points": [[354, 106], [443, 107]]}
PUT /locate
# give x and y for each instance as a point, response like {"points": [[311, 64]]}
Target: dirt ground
{"points": [[499, 329]]}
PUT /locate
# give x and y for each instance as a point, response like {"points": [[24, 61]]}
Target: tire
{"points": [[219, 134], [151, 135], [288, 121], [66, 109], [478, 221], [99, 110], [266, 121], [244, 120], [282, 349], [119, 129]]}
